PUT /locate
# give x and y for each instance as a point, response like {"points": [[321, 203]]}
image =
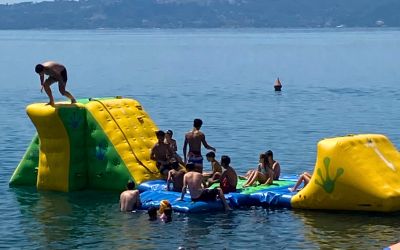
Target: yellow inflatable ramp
{"points": [[359, 172], [131, 132], [62, 162]]}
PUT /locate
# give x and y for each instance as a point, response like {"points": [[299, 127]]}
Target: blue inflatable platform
{"points": [[275, 195]]}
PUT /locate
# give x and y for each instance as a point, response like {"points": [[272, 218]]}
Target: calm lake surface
{"points": [[335, 82]]}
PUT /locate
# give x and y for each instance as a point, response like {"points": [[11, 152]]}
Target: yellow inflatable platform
{"points": [[96, 144], [360, 172]]}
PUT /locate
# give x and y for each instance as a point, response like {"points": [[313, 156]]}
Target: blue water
{"points": [[335, 82]]}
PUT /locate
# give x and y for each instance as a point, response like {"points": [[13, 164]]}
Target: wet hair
{"points": [[169, 132], [160, 133], [152, 211], [130, 185], [225, 160], [269, 153], [190, 166], [175, 165], [168, 211], [197, 123], [39, 68], [210, 154], [263, 157]]}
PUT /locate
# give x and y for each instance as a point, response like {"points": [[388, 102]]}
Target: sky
{"points": [[18, 1]]}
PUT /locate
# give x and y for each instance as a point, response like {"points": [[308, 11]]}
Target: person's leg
{"points": [[223, 200], [298, 183], [46, 85], [252, 178], [61, 88]]}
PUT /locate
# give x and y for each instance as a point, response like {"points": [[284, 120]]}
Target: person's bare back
{"points": [[129, 200], [193, 181], [194, 138]]}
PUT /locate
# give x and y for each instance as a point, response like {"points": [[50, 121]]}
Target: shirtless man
{"points": [[193, 181], [57, 73], [172, 143], [162, 154], [274, 165], [129, 200], [228, 179], [195, 138], [176, 177]]}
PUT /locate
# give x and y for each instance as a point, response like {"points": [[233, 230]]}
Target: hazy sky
{"points": [[18, 1]]}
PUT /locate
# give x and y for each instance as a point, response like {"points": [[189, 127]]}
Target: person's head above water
{"points": [[130, 185], [169, 132], [197, 123], [225, 160], [39, 68], [152, 211], [163, 205], [168, 214]]}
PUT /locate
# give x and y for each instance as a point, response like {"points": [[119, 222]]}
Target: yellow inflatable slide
{"points": [[360, 172]]}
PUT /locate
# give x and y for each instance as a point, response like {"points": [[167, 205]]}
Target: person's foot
{"points": [[73, 101], [50, 103]]}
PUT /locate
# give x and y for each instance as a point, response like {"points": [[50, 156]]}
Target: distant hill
{"points": [[91, 14]]}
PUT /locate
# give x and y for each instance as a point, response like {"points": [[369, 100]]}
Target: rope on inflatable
{"points": [[126, 138]]}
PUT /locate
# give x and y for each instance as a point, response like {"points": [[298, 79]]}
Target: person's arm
{"points": [[174, 146], [184, 150], [169, 179], [183, 189], [206, 145], [41, 76], [152, 154]]}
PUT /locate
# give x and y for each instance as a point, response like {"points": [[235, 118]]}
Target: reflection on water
{"points": [[355, 230]]}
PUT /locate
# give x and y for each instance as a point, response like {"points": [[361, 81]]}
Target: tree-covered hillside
{"points": [[88, 14]]}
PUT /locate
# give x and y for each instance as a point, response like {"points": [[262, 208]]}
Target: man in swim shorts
{"points": [[129, 200], [57, 73], [162, 154], [193, 181], [228, 179], [194, 139]]}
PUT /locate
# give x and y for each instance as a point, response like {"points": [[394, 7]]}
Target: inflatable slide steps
{"points": [[278, 195]]}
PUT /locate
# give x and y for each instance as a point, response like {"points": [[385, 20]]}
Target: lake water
{"points": [[335, 82]]}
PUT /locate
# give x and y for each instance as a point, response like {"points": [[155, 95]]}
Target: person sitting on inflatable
{"points": [[304, 178], [193, 180], [263, 174], [212, 177], [228, 180], [274, 165], [162, 154]]}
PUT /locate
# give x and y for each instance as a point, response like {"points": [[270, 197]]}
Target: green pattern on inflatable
{"points": [[26, 172], [253, 189], [74, 120], [106, 170]]}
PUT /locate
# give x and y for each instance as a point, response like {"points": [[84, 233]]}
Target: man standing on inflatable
{"points": [[57, 73], [195, 138]]}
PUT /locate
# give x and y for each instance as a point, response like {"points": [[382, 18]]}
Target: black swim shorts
{"points": [[207, 195], [64, 78]]}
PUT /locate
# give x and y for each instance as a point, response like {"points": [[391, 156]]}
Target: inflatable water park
{"points": [[102, 143]]}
